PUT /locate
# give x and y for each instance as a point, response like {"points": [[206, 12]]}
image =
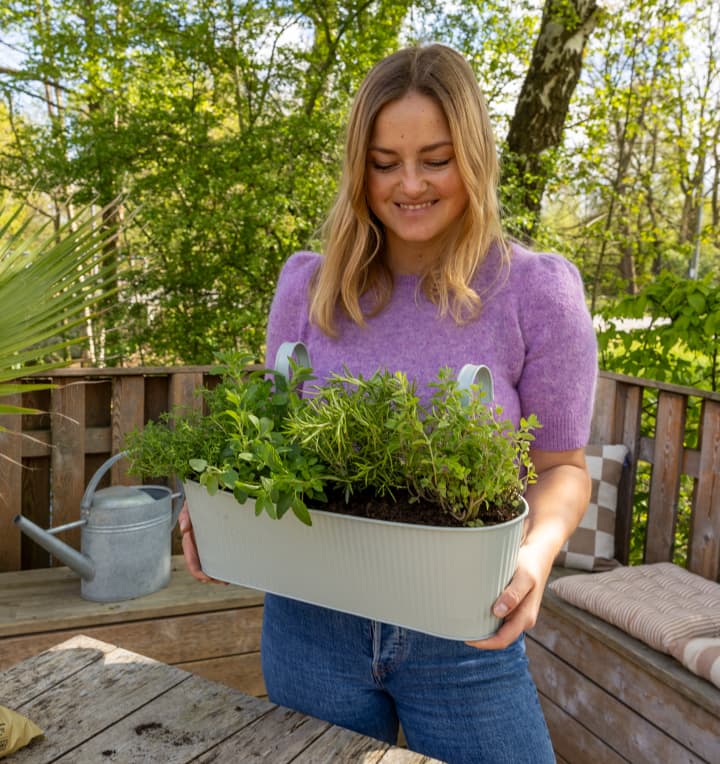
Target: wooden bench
{"points": [[608, 697]]}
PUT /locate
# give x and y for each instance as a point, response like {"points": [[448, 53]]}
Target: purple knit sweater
{"points": [[534, 332]]}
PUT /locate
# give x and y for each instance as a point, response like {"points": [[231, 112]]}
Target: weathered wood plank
{"points": [[653, 384], [182, 390], [243, 672], [66, 712], [49, 599], [279, 736], [10, 485], [128, 414], [607, 718], [603, 421], [68, 455], [704, 546], [665, 481], [572, 742], [36, 507], [339, 744], [629, 411], [21, 684], [179, 725]]}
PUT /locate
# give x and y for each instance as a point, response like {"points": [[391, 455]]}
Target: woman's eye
{"points": [[383, 167], [436, 163]]}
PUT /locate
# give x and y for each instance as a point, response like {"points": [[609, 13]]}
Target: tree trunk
{"points": [[537, 124]]}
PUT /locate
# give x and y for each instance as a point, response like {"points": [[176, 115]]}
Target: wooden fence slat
{"points": [[629, 412], [128, 413], [68, 455], [181, 391], [704, 545], [665, 481], [603, 421], [10, 485]]}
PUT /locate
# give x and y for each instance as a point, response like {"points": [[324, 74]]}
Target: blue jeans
{"points": [[455, 703]]}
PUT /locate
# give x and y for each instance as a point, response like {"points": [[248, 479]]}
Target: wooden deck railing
{"points": [[45, 471], [651, 418]]}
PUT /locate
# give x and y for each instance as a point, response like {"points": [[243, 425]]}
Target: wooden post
{"points": [[704, 547], [665, 481], [10, 485], [128, 414], [67, 409]]}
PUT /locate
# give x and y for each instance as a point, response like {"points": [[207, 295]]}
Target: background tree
{"points": [[222, 121], [537, 124]]}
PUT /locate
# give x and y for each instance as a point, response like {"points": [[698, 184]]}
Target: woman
{"points": [[417, 276]]}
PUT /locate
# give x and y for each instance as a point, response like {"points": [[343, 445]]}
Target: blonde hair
{"points": [[354, 264]]}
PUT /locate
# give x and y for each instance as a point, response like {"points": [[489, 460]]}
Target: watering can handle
{"points": [[474, 374], [96, 478], [285, 352]]}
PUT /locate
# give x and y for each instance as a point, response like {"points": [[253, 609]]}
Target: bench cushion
{"points": [[701, 655], [592, 546], [660, 604]]}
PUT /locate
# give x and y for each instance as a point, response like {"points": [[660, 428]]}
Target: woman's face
{"points": [[413, 181]]}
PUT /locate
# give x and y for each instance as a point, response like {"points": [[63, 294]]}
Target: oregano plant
{"points": [[239, 444]]}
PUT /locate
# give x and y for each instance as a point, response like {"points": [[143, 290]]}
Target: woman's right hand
{"points": [[190, 552]]}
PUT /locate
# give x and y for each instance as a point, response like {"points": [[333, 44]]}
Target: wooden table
{"points": [[100, 703]]}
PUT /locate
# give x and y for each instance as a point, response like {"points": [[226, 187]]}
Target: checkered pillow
{"points": [[592, 545]]}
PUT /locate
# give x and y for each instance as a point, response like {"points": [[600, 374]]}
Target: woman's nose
{"points": [[413, 181]]}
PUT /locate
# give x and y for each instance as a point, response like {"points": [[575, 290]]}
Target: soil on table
{"points": [[399, 508]]}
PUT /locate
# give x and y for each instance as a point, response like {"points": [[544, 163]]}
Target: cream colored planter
{"points": [[442, 581]]}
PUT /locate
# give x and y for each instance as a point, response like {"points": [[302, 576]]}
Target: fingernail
{"points": [[500, 609]]}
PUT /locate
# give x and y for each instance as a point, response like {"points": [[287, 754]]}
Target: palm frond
{"points": [[51, 281]]}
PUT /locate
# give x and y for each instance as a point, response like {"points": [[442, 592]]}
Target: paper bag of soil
{"points": [[16, 731]]}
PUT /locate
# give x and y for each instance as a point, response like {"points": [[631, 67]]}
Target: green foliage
{"points": [[453, 451], [680, 342], [223, 122]]}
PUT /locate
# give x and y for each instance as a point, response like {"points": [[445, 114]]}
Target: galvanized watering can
{"points": [[125, 539]]}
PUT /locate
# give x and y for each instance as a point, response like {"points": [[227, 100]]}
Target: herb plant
{"points": [[239, 443], [260, 438], [454, 451]]}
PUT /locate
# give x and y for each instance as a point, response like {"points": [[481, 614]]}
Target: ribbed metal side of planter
{"points": [[442, 581]]}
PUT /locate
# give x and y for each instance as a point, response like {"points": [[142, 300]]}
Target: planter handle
{"points": [[285, 352], [475, 374], [470, 374]]}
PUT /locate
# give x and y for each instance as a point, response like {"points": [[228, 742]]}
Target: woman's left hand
{"points": [[519, 604], [557, 503]]}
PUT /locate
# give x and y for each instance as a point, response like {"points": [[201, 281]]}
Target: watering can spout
{"points": [[79, 562]]}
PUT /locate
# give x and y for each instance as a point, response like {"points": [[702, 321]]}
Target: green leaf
{"points": [[301, 512]]}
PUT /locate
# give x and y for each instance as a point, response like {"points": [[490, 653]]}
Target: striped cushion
{"points": [[592, 545], [660, 604], [701, 655]]}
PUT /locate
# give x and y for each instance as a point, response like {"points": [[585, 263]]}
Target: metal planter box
{"points": [[441, 581]]}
